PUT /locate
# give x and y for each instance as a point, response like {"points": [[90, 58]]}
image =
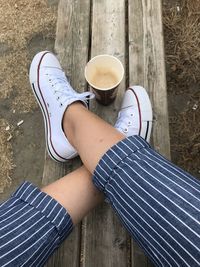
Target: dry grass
{"points": [[182, 39], [20, 21], [6, 161], [182, 24]]}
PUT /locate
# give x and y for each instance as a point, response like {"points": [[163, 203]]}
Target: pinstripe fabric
{"points": [[157, 202], [32, 226]]}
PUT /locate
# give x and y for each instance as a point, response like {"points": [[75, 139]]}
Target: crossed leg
{"points": [[92, 137], [89, 134], [157, 202]]}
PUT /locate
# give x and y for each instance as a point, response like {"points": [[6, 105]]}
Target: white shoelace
{"points": [[124, 120], [62, 89]]}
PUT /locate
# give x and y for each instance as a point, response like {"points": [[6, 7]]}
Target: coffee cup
{"points": [[104, 73]]}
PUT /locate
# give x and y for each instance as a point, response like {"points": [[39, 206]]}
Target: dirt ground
{"points": [[26, 28], [29, 26]]}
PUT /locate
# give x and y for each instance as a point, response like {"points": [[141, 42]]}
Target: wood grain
{"points": [[147, 64], [105, 242], [147, 68], [72, 42]]}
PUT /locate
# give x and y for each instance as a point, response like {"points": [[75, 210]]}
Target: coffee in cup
{"points": [[104, 73]]}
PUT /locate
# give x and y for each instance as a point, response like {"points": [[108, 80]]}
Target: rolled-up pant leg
{"points": [[157, 202], [32, 226]]}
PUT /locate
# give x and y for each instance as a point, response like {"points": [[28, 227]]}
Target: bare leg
{"points": [[76, 193], [92, 137], [89, 134], [33, 224]]}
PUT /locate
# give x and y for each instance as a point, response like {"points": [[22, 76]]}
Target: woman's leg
{"points": [[34, 222], [89, 134], [92, 136], [76, 193], [156, 201]]}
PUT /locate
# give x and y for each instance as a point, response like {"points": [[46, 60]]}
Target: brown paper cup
{"points": [[104, 73]]}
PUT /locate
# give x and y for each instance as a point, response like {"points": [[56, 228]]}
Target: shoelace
{"points": [[124, 121], [63, 90]]}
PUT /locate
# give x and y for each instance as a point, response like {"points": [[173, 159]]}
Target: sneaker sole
{"points": [[145, 111], [34, 76]]}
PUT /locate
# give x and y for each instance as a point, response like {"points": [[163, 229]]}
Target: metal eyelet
{"points": [[129, 123], [61, 104], [131, 114], [125, 130]]}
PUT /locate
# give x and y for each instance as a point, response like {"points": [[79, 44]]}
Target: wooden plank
{"points": [[72, 42], [108, 37], [138, 257], [147, 68], [105, 242], [147, 64]]}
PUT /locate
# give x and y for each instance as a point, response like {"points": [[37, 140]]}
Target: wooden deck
{"points": [[132, 31]]}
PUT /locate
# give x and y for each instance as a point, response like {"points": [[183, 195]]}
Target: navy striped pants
{"points": [[156, 201]]}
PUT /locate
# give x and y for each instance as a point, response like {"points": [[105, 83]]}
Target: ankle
{"points": [[75, 106], [69, 119]]}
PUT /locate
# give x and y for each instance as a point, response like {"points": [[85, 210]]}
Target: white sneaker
{"points": [[135, 116], [54, 94]]}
